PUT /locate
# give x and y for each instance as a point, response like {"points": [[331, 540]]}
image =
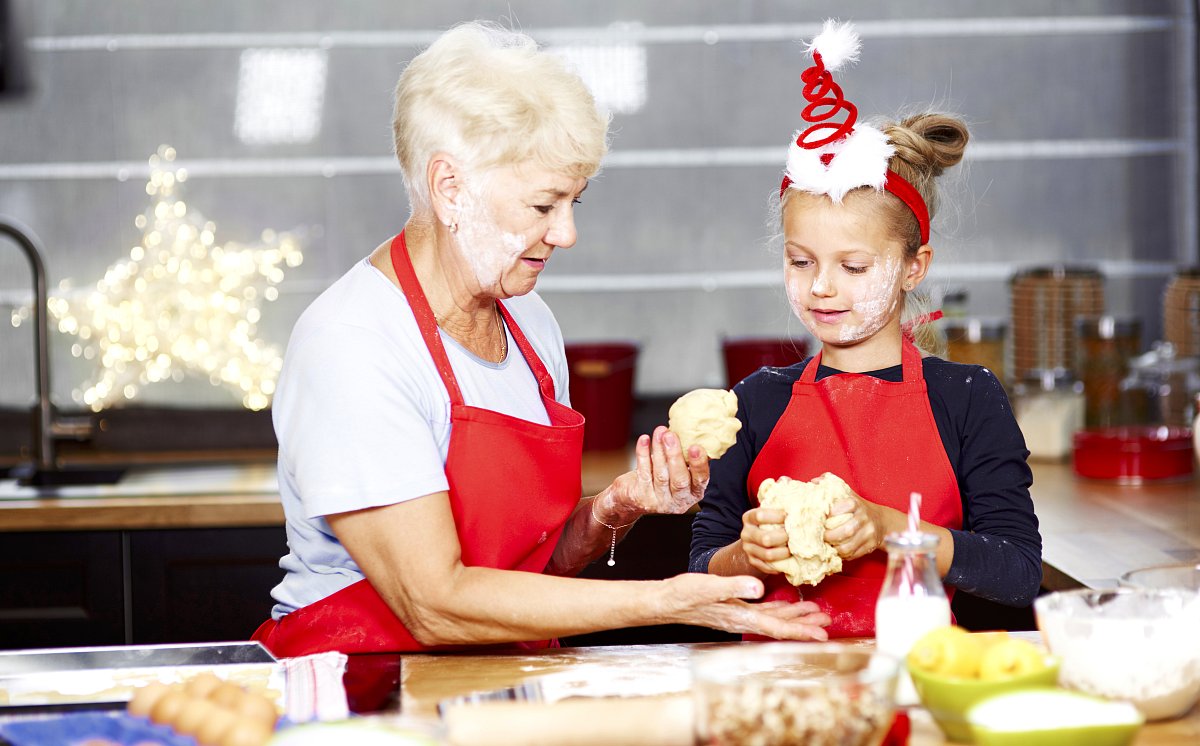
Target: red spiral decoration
{"points": [[825, 101]]}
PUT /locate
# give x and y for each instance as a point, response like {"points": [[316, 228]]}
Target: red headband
{"points": [[906, 192]]}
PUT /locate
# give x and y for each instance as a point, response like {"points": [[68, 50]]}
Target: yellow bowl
{"points": [[948, 698]]}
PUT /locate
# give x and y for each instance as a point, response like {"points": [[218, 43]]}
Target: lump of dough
{"points": [[807, 506], [707, 418]]}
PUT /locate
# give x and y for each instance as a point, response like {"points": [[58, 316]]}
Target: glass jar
{"points": [[1049, 407], [1196, 428], [977, 342], [911, 602], [1106, 345], [1161, 387], [1045, 303]]}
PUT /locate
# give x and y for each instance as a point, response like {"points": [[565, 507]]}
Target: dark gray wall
{"points": [[1082, 113]]}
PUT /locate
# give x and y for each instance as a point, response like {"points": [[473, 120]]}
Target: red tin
{"points": [[1133, 455]]}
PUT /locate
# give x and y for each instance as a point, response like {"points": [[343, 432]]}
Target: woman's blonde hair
{"points": [[490, 97]]}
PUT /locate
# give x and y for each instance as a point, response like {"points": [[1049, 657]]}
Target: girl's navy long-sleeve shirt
{"points": [[998, 551]]}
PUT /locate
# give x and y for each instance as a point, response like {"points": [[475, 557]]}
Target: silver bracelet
{"points": [[612, 547]]}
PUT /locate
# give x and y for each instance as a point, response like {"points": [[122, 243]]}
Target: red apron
{"points": [[882, 439], [513, 484]]}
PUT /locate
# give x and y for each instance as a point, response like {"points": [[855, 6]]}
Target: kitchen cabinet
{"points": [[75, 588], [61, 589]]}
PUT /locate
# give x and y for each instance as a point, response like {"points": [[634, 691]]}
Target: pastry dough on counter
{"points": [[707, 418], [807, 507]]}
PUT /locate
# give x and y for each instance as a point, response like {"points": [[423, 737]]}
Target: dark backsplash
{"points": [[149, 430]]}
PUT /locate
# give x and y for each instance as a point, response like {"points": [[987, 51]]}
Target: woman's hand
{"points": [[856, 527], [716, 601], [664, 480], [762, 542]]}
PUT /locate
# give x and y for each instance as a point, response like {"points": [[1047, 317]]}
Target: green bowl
{"points": [[949, 697], [1056, 705]]}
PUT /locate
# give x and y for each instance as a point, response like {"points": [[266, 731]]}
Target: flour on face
{"points": [[878, 304], [872, 299], [487, 250]]}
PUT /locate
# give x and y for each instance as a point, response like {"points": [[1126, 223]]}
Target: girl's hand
{"points": [[855, 527], [664, 480], [762, 546]]}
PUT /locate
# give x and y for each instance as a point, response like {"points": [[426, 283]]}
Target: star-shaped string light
{"points": [[180, 304]]}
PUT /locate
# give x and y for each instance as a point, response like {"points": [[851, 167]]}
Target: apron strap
{"points": [[544, 379], [810, 371], [411, 286], [402, 264], [910, 358]]}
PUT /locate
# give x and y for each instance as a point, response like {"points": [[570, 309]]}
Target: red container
{"points": [[745, 355], [602, 391], [1132, 455]]}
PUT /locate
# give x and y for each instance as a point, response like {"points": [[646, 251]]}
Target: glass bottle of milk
{"points": [[912, 601]]}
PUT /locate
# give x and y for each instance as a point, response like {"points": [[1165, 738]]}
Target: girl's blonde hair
{"points": [[926, 145], [489, 97]]}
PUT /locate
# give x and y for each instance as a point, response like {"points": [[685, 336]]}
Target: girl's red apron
{"points": [[513, 484], [882, 439]]}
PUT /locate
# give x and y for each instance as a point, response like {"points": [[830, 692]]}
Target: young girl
{"points": [[870, 407]]}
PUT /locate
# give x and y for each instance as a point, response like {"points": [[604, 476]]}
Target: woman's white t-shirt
{"points": [[363, 419]]}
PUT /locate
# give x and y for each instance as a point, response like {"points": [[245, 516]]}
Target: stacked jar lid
{"points": [[1046, 304], [1181, 312]]}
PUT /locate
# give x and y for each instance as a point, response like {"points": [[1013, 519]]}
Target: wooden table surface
{"points": [[645, 670]]}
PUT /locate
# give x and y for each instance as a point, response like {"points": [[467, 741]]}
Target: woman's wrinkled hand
{"points": [[763, 539], [664, 480], [855, 527], [720, 602]]}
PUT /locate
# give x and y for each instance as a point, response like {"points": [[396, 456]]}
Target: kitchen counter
{"points": [[645, 670], [202, 496], [209, 496], [1093, 531]]}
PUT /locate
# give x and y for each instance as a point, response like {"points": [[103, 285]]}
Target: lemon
{"points": [[947, 651], [1009, 658]]}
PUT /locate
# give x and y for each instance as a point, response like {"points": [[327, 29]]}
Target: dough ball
{"points": [[707, 418], [202, 684], [807, 506], [145, 697]]}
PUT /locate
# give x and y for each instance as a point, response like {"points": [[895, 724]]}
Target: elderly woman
{"points": [[429, 462]]}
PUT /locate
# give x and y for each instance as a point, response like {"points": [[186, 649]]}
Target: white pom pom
{"points": [[860, 159], [838, 44]]}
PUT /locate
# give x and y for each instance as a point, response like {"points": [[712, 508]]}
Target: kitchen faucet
{"points": [[46, 427]]}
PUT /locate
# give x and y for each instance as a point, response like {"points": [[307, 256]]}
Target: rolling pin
{"points": [[611, 721]]}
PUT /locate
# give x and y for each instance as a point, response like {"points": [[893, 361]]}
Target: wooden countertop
{"points": [[644, 670], [197, 496], [1092, 531], [204, 496]]}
